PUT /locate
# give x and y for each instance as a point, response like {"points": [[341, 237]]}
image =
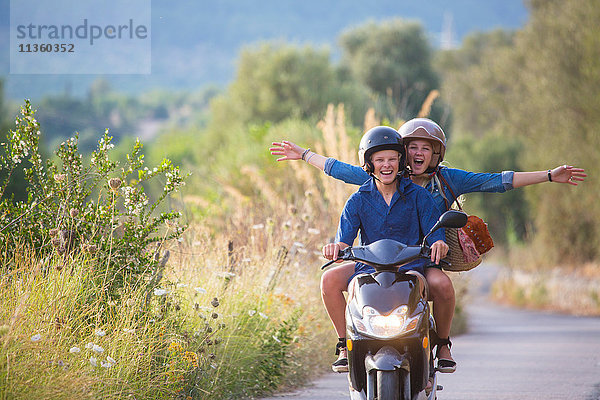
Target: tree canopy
{"points": [[393, 59]]}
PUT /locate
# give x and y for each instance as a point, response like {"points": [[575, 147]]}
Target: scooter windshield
{"points": [[386, 253]]}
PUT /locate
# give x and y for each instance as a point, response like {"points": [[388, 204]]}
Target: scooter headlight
{"points": [[393, 324]]}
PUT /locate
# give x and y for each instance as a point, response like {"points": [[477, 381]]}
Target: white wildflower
{"points": [[60, 177], [200, 290], [313, 231], [93, 361], [265, 316], [298, 244], [74, 349], [160, 292], [105, 364], [111, 360], [89, 346], [97, 349], [226, 275], [128, 330], [181, 285], [246, 260], [258, 226], [251, 312], [100, 333], [36, 338]]}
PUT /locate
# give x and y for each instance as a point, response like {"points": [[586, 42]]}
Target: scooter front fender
{"points": [[386, 359]]}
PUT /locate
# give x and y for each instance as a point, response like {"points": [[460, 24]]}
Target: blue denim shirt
{"points": [[407, 219], [460, 181]]}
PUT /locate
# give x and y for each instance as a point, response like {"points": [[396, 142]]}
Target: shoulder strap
{"points": [[451, 192]]}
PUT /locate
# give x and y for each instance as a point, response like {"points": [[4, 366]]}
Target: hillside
{"points": [[196, 44]]}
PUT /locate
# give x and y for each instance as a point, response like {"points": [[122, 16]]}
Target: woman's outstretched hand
{"points": [[287, 149], [568, 174]]}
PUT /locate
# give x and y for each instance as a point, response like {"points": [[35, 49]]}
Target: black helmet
{"points": [[376, 139]]}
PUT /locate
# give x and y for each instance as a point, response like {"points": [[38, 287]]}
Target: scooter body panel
{"points": [[385, 291], [386, 359]]}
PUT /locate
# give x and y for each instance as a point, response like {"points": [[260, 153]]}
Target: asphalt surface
{"points": [[507, 354]]}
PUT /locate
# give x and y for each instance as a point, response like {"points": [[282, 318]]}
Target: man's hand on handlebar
{"points": [[439, 250], [331, 251]]}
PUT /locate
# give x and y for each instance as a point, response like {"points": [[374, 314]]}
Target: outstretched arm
{"points": [[562, 174], [291, 151], [337, 169]]}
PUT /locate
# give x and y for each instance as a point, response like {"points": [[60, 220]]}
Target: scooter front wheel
{"points": [[388, 385]]}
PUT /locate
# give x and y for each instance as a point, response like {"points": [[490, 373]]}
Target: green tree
{"points": [[475, 83], [537, 89], [393, 59], [558, 116], [277, 81]]}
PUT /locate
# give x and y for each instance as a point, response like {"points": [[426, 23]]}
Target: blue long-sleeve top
{"points": [[409, 216], [461, 181]]}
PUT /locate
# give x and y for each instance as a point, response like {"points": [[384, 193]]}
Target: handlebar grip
{"points": [[340, 256], [328, 264]]}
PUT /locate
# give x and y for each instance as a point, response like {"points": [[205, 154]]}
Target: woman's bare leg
{"points": [[441, 292], [334, 283]]}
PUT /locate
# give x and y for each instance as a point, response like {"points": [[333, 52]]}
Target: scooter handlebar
{"points": [[345, 254], [426, 253]]}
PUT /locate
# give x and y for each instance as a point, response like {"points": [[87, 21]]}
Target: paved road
{"points": [[508, 354]]}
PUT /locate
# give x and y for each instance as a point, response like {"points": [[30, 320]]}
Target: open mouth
{"points": [[384, 173], [418, 162]]}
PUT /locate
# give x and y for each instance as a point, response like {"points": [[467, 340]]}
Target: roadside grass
{"points": [[559, 289], [572, 289], [224, 323], [61, 339]]}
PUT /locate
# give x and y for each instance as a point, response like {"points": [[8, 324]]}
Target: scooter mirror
{"points": [[449, 219], [452, 219]]}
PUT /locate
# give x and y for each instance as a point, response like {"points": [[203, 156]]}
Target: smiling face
{"points": [[386, 164], [419, 153]]}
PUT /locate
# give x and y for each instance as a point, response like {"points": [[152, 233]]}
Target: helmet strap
{"points": [[387, 184], [428, 173]]}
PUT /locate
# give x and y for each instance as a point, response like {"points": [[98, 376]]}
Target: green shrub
{"points": [[99, 207]]}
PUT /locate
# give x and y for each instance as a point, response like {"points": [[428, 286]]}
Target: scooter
{"points": [[389, 327]]}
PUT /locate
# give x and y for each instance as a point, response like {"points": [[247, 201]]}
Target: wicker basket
{"points": [[455, 256]]}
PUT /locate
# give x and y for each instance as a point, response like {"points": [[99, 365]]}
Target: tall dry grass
{"points": [[237, 314], [337, 144], [59, 339], [228, 320]]}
